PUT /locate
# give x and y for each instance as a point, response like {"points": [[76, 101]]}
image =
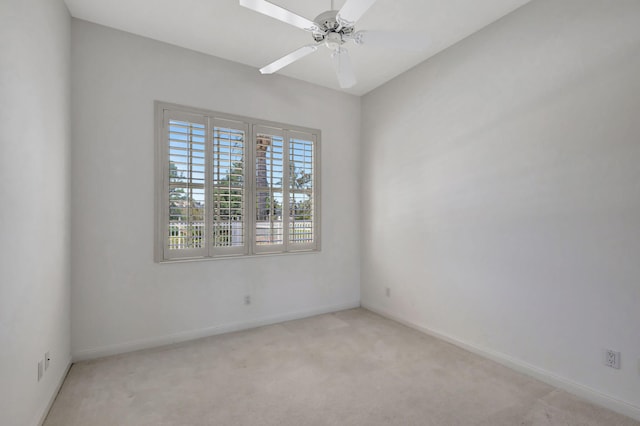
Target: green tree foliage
{"points": [[177, 196], [301, 210], [272, 206], [182, 207], [300, 180], [228, 193]]}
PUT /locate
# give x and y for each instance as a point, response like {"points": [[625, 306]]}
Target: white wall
{"points": [[121, 299], [501, 194], [34, 217]]}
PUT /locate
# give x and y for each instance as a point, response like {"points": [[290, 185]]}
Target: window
{"points": [[233, 186]]}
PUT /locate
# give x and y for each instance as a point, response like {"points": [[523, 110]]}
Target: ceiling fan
{"points": [[333, 29]]}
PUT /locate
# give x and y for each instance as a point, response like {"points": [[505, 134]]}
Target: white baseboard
{"points": [[582, 391], [40, 417], [153, 342]]}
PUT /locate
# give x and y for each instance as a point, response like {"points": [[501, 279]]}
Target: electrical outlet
{"points": [[247, 300], [47, 361], [387, 292], [612, 359], [40, 370]]}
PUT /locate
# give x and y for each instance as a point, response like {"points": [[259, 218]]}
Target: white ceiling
{"points": [[225, 29]]}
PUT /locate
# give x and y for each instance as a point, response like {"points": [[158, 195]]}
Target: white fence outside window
{"points": [[191, 235]]}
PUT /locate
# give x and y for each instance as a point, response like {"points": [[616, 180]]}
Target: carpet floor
{"points": [[347, 368]]}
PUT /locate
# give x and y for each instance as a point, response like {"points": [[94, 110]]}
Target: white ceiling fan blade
{"points": [[343, 67], [289, 59], [393, 40], [279, 13], [352, 11]]}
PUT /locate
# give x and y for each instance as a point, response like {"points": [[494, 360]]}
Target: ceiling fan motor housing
{"points": [[330, 30]]}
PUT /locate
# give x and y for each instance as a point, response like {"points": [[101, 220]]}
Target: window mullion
{"points": [[208, 181], [164, 194], [190, 221], [286, 172], [250, 202]]}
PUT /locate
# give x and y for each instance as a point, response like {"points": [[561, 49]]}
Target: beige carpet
{"points": [[348, 368]]}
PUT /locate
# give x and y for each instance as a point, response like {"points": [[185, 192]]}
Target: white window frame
{"points": [[251, 126]]}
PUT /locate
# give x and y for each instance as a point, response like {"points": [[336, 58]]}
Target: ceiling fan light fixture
{"points": [[333, 40]]}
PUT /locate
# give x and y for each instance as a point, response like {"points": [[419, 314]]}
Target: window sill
{"points": [[238, 256]]}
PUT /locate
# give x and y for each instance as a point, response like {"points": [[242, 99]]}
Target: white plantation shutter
{"points": [[228, 191], [270, 187], [184, 172], [301, 190], [233, 186], [285, 203]]}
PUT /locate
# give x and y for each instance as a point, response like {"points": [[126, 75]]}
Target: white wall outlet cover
{"points": [[612, 358]]}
